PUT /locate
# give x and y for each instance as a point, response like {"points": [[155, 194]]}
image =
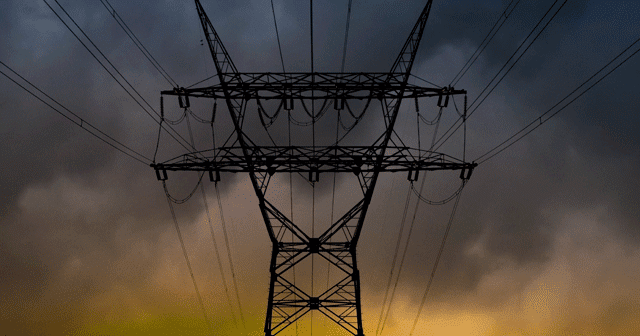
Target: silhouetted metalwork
{"points": [[291, 245]]}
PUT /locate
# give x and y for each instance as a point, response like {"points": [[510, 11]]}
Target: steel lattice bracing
{"points": [[323, 85], [291, 245]]}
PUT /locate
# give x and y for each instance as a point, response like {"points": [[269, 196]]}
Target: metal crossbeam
{"points": [[307, 159], [290, 244], [327, 85]]}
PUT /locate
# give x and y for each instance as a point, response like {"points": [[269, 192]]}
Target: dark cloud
{"points": [[83, 227]]}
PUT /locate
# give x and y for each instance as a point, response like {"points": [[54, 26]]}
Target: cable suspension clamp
{"points": [[465, 173], [214, 175], [183, 97], [161, 174], [445, 93]]}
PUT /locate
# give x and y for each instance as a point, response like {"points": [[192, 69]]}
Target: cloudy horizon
{"points": [[545, 240]]}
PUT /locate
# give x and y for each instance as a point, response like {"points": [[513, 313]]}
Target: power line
{"points": [[490, 35], [186, 256], [138, 44], [346, 36], [426, 81], [226, 240], [537, 122], [275, 23], [515, 52], [437, 261], [333, 191], [311, 30], [224, 228], [80, 122], [455, 126], [111, 74], [215, 247], [393, 263]]}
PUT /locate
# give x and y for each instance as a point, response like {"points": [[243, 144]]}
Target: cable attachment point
{"points": [[314, 303], [213, 113], [161, 108], [413, 175], [465, 173], [161, 173], [288, 104], [314, 175], [445, 93], [183, 97], [214, 176]]}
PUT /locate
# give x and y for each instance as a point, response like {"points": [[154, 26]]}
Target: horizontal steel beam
{"points": [[312, 160], [323, 86]]}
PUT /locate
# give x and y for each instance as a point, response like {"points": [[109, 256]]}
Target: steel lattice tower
{"points": [[287, 302]]}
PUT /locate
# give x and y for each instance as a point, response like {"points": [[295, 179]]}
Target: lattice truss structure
{"points": [[287, 302]]}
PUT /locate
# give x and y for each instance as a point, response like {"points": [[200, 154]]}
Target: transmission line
{"points": [[137, 42], [515, 52], [215, 246], [393, 263], [224, 230], [490, 35], [226, 240], [346, 36], [333, 191], [112, 75], [104, 137], [455, 126], [275, 23], [186, 256], [437, 261], [539, 120]]}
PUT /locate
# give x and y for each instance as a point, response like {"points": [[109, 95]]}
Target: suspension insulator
{"points": [[161, 174], [183, 98], [413, 175], [443, 102], [465, 173], [161, 107], [314, 176], [214, 176], [288, 103], [338, 104]]}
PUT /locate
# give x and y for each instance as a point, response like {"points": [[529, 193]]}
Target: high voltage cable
{"points": [[406, 246], [515, 52], [480, 49], [80, 122], [215, 246], [226, 240], [395, 257], [426, 81], [455, 126], [313, 140], [224, 230], [186, 256], [111, 74], [437, 261], [275, 23], [346, 36], [344, 56], [539, 120], [138, 44]]}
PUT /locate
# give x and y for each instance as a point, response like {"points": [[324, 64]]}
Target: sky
{"points": [[545, 239]]}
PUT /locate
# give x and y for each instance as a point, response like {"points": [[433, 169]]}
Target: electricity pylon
{"points": [[290, 244]]}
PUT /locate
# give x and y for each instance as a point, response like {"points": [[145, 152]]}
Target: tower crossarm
{"points": [[307, 159], [323, 86]]}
